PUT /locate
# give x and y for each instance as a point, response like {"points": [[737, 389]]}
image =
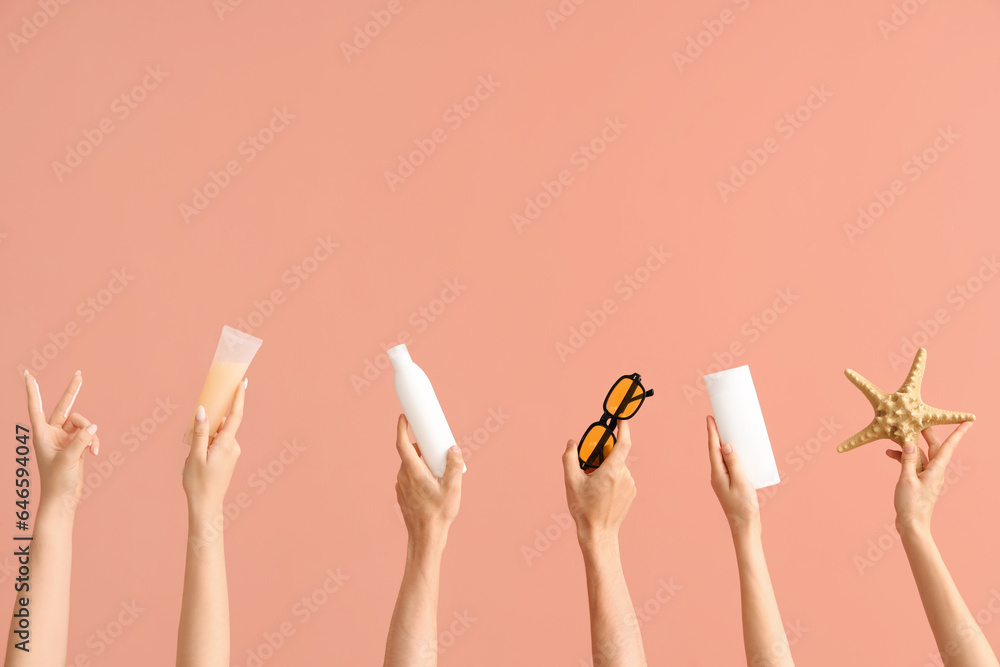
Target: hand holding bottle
{"points": [[429, 504], [732, 487]]}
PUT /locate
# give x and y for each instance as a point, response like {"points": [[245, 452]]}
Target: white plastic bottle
{"points": [[422, 410]]}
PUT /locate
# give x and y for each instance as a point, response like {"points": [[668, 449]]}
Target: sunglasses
{"points": [[622, 402]]}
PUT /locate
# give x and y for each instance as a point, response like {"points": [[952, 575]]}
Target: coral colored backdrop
{"points": [[621, 187]]}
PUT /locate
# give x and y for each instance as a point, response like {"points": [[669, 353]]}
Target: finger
{"points": [[571, 459], [60, 412], [35, 413], [81, 441], [909, 460], [407, 453], [894, 454], [453, 468], [75, 422], [235, 416], [933, 442], [714, 449], [733, 463], [199, 444], [619, 453], [947, 448]]}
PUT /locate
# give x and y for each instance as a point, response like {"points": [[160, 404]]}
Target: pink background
{"points": [[841, 577]]}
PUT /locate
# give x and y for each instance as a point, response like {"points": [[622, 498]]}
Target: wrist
{"points": [[747, 533], [428, 543], [598, 544], [913, 530], [56, 509]]}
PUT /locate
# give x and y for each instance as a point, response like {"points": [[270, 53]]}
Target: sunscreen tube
{"points": [[741, 423], [232, 358], [422, 410]]}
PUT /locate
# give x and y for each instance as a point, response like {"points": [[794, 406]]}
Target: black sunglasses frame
{"points": [[609, 421]]}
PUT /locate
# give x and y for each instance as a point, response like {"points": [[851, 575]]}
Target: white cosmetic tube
{"points": [[741, 423], [232, 358], [422, 410]]}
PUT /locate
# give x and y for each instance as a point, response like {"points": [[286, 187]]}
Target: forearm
{"points": [[959, 638], [614, 628], [203, 636], [763, 632], [50, 564], [412, 640]]}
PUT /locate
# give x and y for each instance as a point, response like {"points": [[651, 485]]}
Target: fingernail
{"points": [[92, 429], [95, 447], [246, 381], [727, 448], [456, 449], [200, 414], [76, 373], [908, 448], [25, 372]]}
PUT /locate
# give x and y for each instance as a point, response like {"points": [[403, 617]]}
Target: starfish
{"points": [[902, 415]]}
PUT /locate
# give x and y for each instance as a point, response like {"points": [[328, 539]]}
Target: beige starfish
{"points": [[900, 416]]}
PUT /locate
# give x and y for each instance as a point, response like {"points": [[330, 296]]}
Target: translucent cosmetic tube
{"points": [[232, 358]]}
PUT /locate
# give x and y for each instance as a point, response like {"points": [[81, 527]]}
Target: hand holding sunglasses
{"points": [[622, 402]]}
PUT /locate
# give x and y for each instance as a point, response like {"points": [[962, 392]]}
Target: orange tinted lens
{"points": [[625, 398], [590, 441]]}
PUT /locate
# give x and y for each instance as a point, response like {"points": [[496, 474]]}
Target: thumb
{"points": [[909, 460], [733, 463], [453, 466], [81, 441]]}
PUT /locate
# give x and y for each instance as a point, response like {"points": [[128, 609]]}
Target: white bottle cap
{"points": [[398, 353]]}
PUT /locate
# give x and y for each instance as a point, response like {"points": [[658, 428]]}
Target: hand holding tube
{"points": [[212, 459]]}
